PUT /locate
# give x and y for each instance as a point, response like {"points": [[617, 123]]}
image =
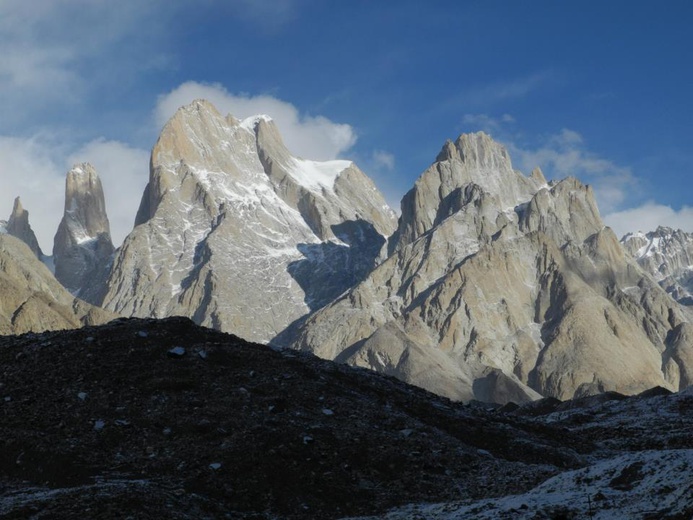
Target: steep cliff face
{"points": [[666, 254], [32, 299], [82, 248], [502, 287], [238, 234], [18, 226]]}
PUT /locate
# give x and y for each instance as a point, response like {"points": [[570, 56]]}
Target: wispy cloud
{"points": [[312, 137], [489, 94], [383, 159], [51, 51], [562, 154], [486, 123], [566, 154]]}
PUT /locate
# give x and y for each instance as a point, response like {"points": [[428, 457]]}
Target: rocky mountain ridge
{"points": [[667, 255], [501, 287], [18, 226], [492, 285], [238, 234]]}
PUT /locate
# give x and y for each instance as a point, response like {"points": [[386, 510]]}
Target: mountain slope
{"points": [[236, 233], [501, 288], [18, 226], [32, 299]]}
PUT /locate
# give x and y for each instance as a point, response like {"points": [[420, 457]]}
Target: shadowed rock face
{"points": [[32, 299], [503, 287], [18, 226], [82, 247], [231, 226]]}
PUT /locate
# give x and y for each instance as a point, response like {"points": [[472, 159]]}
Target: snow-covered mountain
{"points": [[666, 254], [238, 234], [502, 287]]}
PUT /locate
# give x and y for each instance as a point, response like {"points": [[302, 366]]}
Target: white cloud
{"points": [[311, 137], [492, 93], [51, 51], [124, 172], [486, 123], [29, 170], [648, 216], [565, 154], [34, 169], [383, 159]]}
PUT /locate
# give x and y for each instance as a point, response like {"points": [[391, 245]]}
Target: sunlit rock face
{"points": [[32, 299], [18, 226], [503, 287], [82, 248], [240, 235]]}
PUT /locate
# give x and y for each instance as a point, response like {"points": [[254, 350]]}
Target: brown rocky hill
{"points": [[32, 299]]}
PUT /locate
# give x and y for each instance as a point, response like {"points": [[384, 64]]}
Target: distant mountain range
{"points": [[491, 285]]}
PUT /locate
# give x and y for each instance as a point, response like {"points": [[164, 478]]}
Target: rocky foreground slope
{"points": [[164, 419]]}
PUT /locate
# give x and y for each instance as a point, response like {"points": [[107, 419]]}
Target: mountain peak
{"points": [[82, 245], [482, 151], [473, 159], [229, 212], [18, 226]]}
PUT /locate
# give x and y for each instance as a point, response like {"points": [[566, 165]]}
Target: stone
{"points": [[504, 288], [82, 249], [236, 233]]}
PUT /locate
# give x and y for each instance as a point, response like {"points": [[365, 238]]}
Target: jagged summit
{"points": [[239, 234], [501, 287], [667, 254], [18, 226], [472, 160], [82, 246]]}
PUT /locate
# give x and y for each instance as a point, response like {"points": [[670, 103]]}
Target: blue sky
{"points": [[598, 90]]}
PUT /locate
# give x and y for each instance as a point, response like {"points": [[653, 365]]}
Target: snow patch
{"points": [[251, 122], [628, 486], [316, 175]]}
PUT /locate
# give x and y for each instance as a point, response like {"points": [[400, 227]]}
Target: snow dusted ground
{"points": [[650, 484], [642, 467]]}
